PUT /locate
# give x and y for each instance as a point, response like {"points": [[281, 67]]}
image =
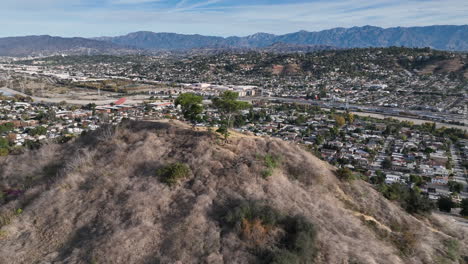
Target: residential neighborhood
{"points": [[386, 150]]}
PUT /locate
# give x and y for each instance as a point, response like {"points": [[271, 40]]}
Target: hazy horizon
{"points": [[298, 30]]}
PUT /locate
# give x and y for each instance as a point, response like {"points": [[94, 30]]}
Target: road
{"points": [[364, 110], [378, 112], [459, 171]]}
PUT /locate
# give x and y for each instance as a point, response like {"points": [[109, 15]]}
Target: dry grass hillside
{"points": [[105, 198], [446, 66]]}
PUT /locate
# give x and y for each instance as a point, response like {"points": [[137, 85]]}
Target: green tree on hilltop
{"points": [[191, 105], [228, 105]]}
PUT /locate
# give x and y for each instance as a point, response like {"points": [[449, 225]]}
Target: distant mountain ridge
{"points": [[437, 37], [453, 38]]}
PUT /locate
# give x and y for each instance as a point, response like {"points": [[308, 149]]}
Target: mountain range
{"points": [[447, 37]]}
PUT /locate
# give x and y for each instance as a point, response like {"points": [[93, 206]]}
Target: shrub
{"points": [[415, 203], [6, 127], [40, 130], [455, 186], [412, 201], [4, 143], [6, 218], [464, 207], [452, 248], [271, 162], [223, 130], [172, 173], [4, 152], [267, 173], [387, 163], [405, 242], [3, 234], [344, 174], [445, 204], [258, 224]]}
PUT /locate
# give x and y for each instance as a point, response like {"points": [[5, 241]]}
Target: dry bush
{"points": [[255, 231]]}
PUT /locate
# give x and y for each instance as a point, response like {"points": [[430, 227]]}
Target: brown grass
{"points": [[98, 199]]}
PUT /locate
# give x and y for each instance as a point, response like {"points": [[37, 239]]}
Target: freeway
{"points": [[417, 117], [371, 111]]}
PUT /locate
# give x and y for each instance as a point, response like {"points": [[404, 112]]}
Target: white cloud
{"points": [[208, 18], [132, 2]]}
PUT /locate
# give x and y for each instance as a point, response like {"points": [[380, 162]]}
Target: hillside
{"points": [[48, 45], [104, 198]]}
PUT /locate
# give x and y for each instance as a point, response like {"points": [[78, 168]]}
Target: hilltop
{"points": [[106, 197]]}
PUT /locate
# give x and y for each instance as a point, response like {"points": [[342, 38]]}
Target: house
{"points": [[438, 158], [440, 180], [390, 178], [161, 105]]}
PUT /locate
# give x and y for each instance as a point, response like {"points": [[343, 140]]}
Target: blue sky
{"points": [[89, 18]]}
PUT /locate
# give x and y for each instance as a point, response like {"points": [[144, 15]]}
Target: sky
{"points": [[94, 18]]}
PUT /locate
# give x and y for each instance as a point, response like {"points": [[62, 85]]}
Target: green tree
{"points": [[455, 186], [319, 140], [350, 117], [228, 106], [340, 121], [39, 130], [379, 177], [464, 207], [387, 163], [7, 127], [415, 203], [445, 204], [301, 119], [448, 165], [191, 105], [416, 179], [344, 174]]}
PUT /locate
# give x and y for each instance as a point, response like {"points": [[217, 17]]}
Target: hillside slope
{"points": [[48, 45], [98, 199]]}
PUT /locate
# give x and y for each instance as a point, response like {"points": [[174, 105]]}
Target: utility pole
{"points": [[347, 103], [42, 89], [22, 84], [9, 79]]}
